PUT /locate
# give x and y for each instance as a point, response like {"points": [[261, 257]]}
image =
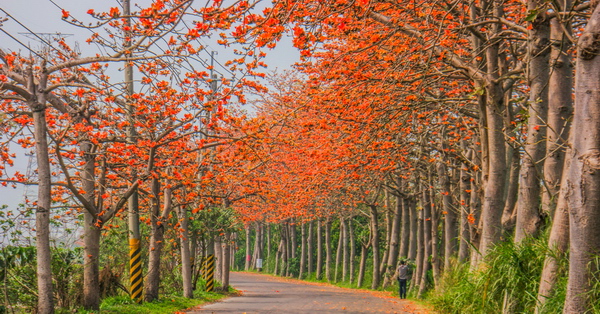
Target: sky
{"points": [[44, 17]]}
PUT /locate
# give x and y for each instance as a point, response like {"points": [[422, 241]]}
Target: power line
{"points": [[22, 44], [91, 31], [34, 34]]}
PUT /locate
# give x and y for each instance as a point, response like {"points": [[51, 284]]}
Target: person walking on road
{"points": [[402, 272]]}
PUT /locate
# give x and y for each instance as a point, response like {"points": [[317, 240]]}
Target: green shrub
{"points": [[507, 279]]}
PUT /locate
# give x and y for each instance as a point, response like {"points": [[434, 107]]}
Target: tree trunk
{"points": [[375, 243], [583, 178], [560, 109], [302, 251], [435, 222], [218, 258], [319, 235], [285, 254], [328, 251], [155, 246], [345, 251], [293, 242], [268, 241], [257, 252], [277, 263], [226, 258], [493, 204], [427, 243], [475, 222], [352, 248], [248, 249], [92, 232], [558, 244], [416, 278], [405, 234], [393, 244], [509, 214], [528, 203], [464, 186], [91, 254], [414, 227], [186, 266], [290, 247], [363, 265], [450, 226], [310, 248], [338, 252], [42, 214], [388, 234]]}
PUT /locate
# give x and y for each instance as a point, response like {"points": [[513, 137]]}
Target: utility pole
{"points": [[135, 261], [209, 261]]}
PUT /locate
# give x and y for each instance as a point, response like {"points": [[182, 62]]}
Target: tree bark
{"points": [[450, 225], [435, 223], [414, 227], [302, 251], [248, 249], [583, 178], [310, 249], [388, 234], [426, 240], [420, 247], [560, 108], [218, 258], [558, 244], [375, 244], [509, 214], [328, 249], [352, 248], [226, 259], [42, 213], [405, 234], [92, 232], [363, 265], [319, 269], [152, 281], [493, 203], [393, 247], [186, 266], [338, 252], [464, 186], [345, 251], [528, 203], [293, 242]]}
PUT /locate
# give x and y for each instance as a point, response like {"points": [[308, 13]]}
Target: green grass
{"points": [[507, 280], [165, 305]]}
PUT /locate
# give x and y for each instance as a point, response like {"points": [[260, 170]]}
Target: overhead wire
{"points": [[22, 44], [91, 31], [34, 34]]}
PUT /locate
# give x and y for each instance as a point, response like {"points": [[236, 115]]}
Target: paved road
{"points": [[267, 294]]}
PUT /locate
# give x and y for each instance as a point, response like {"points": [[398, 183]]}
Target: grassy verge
{"points": [[165, 305]]}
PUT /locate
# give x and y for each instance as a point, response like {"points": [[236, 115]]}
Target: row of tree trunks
{"points": [[431, 238]]}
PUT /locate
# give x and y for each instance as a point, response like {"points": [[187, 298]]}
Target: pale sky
{"points": [[42, 16]]}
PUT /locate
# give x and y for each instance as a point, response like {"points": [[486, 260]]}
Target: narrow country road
{"points": [[268, 294]]}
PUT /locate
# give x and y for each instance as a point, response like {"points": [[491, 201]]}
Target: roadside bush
{"points": [[507, 280]]}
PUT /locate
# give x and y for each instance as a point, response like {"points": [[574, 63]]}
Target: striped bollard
{"points": [[210, 272], [135, 270]]}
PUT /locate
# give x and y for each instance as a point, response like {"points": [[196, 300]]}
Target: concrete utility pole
{"points": [[209, 261], [135, 261]]}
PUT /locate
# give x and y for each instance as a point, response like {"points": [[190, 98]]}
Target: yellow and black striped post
{"points": [[135, 270], [209, 272], [203, 267]]}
